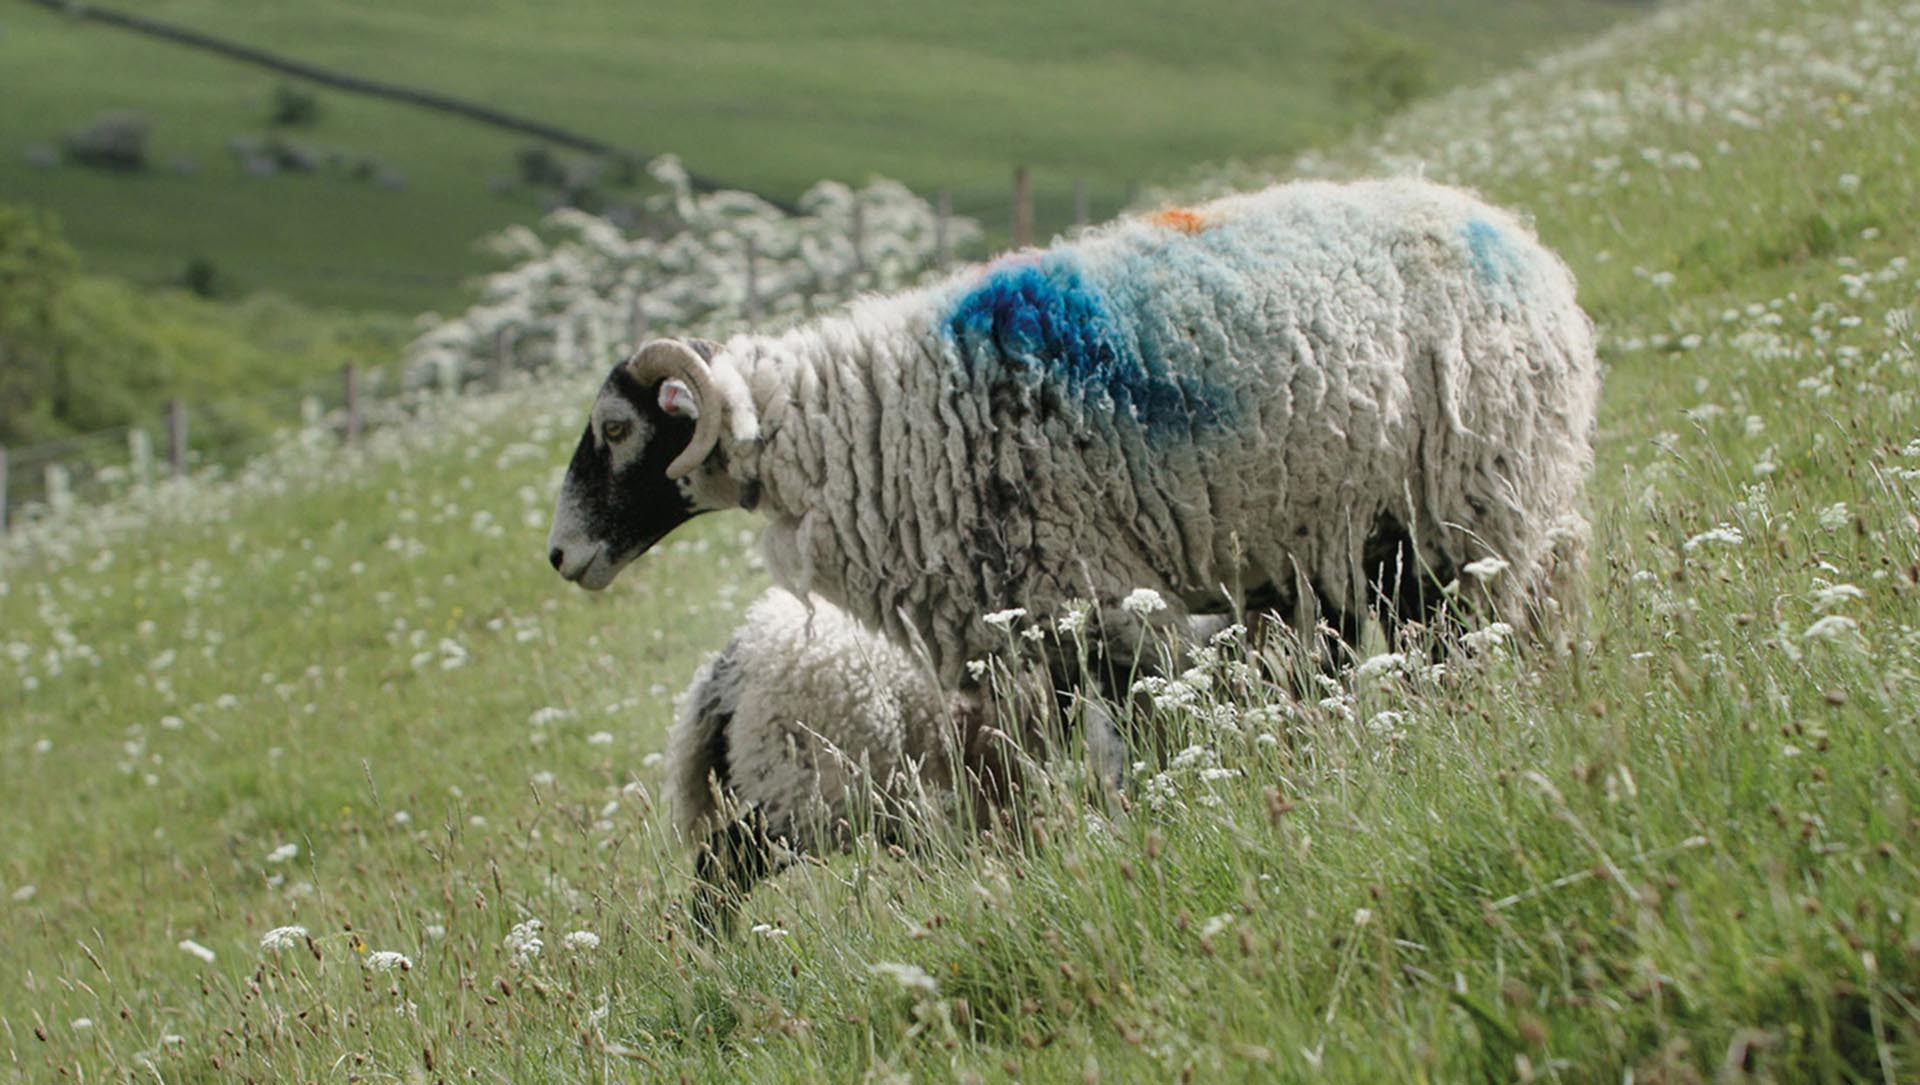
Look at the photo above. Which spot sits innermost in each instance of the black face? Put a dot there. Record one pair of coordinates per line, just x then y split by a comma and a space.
608, 516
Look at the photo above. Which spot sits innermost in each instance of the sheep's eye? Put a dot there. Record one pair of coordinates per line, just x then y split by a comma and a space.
615, 432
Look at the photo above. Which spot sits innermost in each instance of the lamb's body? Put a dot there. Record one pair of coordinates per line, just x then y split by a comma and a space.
1277, 397
806, 720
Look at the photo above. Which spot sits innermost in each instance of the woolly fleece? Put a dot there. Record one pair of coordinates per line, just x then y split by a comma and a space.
1229, 402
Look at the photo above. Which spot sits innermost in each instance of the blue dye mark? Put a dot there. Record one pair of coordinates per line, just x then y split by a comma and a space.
1043, 315
1494, 259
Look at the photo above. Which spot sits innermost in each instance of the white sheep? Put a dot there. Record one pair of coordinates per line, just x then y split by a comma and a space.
1319, 399
808, 727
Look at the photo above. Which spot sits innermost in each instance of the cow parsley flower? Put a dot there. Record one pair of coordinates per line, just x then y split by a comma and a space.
280, 938
386, 960
1143, 601
524, 942
1486, 568
1003, 619
582, 941
283, 853
198, 950
1725, 533
910, 977
1385, 662
1832, 627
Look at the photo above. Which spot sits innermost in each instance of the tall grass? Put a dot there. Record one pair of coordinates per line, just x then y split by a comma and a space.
1682, 852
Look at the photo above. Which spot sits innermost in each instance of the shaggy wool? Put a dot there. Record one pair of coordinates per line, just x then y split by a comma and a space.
1268, 397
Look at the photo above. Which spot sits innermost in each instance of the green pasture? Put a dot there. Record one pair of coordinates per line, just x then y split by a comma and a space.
766, 96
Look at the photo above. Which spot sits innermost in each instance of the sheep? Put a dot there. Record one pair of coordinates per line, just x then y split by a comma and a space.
1318, 400
804, 726
808, 726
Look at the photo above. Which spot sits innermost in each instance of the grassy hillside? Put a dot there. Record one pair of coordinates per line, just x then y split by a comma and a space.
764, 95
344, 692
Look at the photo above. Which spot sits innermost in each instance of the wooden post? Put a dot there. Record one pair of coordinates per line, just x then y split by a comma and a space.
859, 238
140, 455
502, 355
1022, 207
943, 216
177, 437
3, 490
753, 281
1080, 214
351, 379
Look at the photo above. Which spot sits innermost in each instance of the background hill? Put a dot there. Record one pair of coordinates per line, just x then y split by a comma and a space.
766, 96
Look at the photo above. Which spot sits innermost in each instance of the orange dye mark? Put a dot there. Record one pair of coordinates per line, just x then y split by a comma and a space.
1178, 218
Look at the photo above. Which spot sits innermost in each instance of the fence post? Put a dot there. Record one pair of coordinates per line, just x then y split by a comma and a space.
1080, 214
351, 378
3, 490
942, 254
502, 355
140, 455
859, 228
1022, 207
177, 437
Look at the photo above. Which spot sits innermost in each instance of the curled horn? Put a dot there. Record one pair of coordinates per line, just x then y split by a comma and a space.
670, 358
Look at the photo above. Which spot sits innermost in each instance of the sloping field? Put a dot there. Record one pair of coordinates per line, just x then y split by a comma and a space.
765, 96
343, 692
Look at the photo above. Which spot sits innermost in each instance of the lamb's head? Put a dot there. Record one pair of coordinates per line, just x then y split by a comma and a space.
636, 473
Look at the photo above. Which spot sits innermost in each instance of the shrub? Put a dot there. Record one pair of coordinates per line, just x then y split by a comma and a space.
293, 106
1383, 72
114, 141
36, 270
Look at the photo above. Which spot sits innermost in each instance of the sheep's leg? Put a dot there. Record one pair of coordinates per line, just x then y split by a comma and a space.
727, 867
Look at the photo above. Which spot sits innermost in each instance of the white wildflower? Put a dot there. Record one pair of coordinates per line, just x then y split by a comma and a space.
1481, 639
283, 853
910, 977
81, 1024
600, 738
543, 716
524, 942
1386, 661
1725, 533
386, 960
768, 930
1834, 595
1074, 620
198, 950
25, 893
976, 668
582, 941
1835, 516
1003, 619
1832, 627
1486, 568
280, 938
1215, 924
1143, 601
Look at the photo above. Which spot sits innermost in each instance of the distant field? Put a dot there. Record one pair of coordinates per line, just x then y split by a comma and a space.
765, 95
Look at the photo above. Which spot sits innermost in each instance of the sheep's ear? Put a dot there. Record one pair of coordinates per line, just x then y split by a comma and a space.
677, 399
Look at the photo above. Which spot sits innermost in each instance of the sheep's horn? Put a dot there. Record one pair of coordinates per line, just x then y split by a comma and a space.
664, 358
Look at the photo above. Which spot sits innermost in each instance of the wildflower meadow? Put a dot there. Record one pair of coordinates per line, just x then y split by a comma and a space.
314, 770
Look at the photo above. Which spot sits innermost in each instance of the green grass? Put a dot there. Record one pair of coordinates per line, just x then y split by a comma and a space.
1686, 852
767, 96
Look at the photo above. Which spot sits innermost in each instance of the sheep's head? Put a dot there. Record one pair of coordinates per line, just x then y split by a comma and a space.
654, 423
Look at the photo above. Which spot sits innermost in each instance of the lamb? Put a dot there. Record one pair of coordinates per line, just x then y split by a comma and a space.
1320, 400
808, 727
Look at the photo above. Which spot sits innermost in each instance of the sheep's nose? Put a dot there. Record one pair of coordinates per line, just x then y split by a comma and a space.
556, 556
